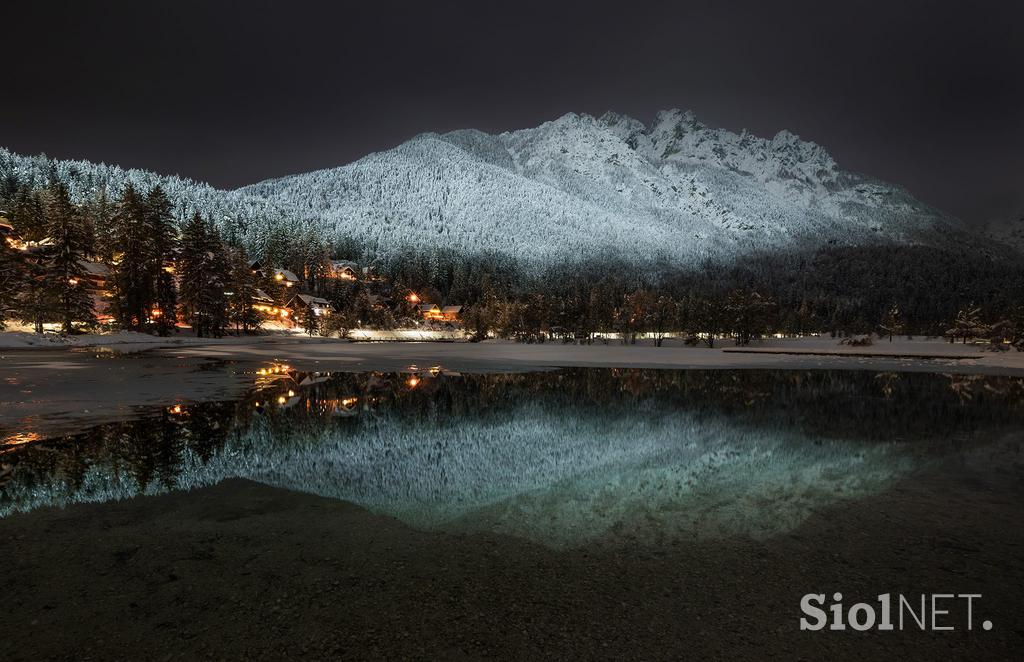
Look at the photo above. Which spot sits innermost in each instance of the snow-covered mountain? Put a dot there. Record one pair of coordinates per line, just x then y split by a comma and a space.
674, 192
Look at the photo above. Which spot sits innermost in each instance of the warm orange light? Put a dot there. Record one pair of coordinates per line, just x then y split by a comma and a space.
281, 400
17, 439
291, 394
278, 276
72, 281
176, 409
348, 402
413, 381
413, 298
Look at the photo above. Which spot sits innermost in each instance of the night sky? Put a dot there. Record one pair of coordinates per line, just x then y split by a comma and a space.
918, 93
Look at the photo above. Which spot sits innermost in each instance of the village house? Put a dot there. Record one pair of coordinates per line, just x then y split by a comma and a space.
285, 277
343, 270
304, 302
435, 313
264, 303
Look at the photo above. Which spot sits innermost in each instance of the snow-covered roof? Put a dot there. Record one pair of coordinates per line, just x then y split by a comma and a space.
311, 300
344, 264
97, 269
451, 310
286, 275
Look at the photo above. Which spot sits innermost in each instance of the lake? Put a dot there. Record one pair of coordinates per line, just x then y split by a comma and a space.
563, 458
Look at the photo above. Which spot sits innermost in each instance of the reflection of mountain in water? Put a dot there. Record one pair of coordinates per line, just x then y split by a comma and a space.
559, 458
560, 478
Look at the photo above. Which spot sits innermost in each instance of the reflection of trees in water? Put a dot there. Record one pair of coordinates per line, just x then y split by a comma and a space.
858, 405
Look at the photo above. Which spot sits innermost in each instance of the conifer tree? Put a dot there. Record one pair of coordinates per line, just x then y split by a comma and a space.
163, 236
242, 286
67, 229
193, 266
310, 321
133, 275
101, 212
893, 322
28, 214
12, 277
36, 305
204, 268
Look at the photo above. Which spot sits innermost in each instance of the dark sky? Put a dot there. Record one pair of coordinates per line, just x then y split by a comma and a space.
923, 94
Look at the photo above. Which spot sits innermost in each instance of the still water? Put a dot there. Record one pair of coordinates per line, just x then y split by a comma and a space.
563, 458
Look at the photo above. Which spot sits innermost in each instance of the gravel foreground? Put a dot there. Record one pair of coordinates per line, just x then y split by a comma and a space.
241, 570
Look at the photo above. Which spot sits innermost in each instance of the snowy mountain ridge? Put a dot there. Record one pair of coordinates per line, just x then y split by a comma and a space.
672, 193
675, 191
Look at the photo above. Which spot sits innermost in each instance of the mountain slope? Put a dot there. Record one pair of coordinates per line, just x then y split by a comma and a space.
581, 186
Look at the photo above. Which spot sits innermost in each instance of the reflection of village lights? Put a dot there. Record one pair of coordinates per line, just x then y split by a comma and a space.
17, 439
413, 381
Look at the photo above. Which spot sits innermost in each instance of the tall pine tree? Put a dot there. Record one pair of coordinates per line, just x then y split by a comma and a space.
243, 286
12, 276
163, 247
204, 268
134, 286
67, 229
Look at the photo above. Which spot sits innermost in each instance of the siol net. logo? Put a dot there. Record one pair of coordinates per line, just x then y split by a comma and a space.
926, 612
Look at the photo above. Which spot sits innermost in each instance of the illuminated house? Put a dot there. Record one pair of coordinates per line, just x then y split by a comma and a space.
343, 270
434, 313
13, 240
285, 277
319, 306
451, 313
264, 303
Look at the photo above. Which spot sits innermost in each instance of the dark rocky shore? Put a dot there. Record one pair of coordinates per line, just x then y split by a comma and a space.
245, 571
